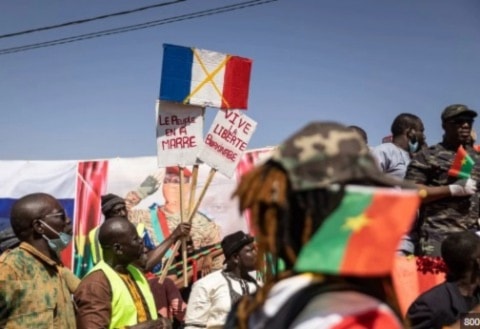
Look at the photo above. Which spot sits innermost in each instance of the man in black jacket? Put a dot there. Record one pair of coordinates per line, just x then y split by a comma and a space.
444, 304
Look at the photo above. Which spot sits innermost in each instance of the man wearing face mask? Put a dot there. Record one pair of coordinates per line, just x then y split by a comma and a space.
449, 204
34, 291
407, 138
459, 294
393, 158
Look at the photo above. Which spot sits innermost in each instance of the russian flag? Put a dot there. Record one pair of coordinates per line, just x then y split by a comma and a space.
78, 186
204, 78
19, 178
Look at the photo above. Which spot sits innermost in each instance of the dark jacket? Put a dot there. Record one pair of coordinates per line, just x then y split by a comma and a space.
440, 306
8, 239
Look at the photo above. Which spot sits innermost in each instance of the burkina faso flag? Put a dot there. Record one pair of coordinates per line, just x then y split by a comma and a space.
462, 164
361, 236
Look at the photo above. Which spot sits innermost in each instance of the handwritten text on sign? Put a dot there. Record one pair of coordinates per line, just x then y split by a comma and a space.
176, 131
227, 140
179, 133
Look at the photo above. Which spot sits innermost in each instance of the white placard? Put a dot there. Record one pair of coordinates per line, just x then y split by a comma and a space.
227, 140
179, 133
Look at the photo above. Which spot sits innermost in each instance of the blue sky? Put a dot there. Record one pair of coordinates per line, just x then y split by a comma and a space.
351, 61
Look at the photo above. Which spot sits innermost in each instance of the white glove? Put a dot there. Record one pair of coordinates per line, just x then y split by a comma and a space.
463, 187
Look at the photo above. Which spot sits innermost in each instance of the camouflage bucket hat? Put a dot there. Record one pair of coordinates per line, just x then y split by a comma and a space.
325, 153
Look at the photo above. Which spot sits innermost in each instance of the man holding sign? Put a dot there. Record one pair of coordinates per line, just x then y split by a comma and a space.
160, 220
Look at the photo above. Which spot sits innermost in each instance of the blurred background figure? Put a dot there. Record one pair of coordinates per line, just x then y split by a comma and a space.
361, 132
212, 296
445, 303
407, 138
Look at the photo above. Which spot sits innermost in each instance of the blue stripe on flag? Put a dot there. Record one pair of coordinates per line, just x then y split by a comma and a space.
4, 223
176, 73
7, 203
68, 205
5, 206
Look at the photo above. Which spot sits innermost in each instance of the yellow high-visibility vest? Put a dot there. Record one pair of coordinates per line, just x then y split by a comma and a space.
124, 312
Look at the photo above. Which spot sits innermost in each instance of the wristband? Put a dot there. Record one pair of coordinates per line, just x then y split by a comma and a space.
422, 193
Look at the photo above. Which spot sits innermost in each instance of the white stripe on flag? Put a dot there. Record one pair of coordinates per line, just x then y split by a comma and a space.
209, 62
18, 178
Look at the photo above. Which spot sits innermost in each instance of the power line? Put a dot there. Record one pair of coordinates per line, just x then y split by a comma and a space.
208, 12
86, 20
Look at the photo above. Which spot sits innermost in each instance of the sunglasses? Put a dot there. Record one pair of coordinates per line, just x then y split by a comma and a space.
60, 214
460, 121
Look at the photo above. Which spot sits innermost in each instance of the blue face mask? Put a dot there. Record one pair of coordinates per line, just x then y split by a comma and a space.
59, 243
412, 147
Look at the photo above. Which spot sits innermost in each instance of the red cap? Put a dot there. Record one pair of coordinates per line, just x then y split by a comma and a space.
175, 170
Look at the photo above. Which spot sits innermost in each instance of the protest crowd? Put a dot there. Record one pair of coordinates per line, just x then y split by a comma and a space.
330, 221
329, 216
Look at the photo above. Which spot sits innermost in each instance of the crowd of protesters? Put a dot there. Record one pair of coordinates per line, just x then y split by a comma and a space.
280, 277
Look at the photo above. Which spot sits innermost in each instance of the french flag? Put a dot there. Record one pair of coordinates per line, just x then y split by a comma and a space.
204, 78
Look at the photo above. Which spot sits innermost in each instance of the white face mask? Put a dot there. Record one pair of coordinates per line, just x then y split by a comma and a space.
412, 147
413, 144
59, 243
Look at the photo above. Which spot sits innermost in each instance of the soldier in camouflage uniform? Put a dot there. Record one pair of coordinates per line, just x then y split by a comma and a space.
449, 204
35, 288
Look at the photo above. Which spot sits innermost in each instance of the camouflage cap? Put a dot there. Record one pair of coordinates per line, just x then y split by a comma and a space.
456, 110
325, 153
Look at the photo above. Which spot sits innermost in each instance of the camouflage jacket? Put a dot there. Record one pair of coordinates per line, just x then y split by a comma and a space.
33, 293
430, 167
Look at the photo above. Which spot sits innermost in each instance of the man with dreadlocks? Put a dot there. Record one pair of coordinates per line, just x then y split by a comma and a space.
309, 209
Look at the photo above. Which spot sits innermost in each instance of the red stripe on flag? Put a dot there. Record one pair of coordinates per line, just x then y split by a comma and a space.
247, 163
91, 184
456, 167
236, 83
388, 215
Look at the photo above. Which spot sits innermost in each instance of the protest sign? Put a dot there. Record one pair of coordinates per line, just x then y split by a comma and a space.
179, 133
227, 140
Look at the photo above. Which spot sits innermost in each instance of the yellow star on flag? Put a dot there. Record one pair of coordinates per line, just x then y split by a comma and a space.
355, 224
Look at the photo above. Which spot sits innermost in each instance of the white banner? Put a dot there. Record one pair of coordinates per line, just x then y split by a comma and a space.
79, 186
